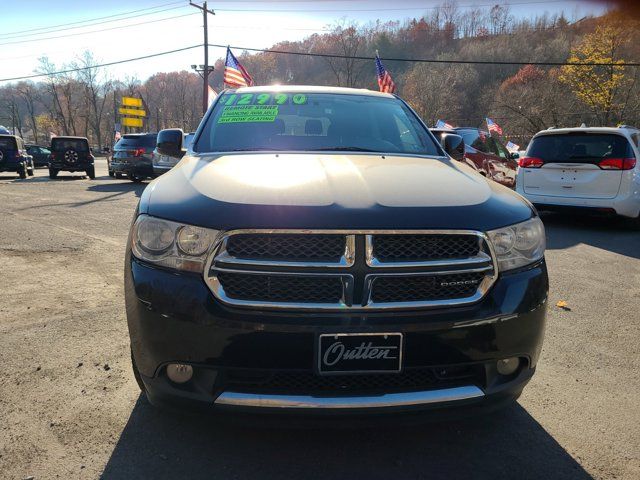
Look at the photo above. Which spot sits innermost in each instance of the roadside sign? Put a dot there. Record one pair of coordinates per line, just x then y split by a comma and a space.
131, 102
131, 122
132, 111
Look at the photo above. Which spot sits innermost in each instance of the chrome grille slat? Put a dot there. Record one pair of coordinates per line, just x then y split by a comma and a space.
426, 271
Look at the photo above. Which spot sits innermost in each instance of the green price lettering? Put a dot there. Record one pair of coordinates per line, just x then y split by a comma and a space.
299, 99
231, 99
245, 99
281, 98
263, 98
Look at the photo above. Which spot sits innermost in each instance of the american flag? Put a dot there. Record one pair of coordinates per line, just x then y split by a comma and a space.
385, 82
493, 126
117, 135
512, 147
443, 124
235, 75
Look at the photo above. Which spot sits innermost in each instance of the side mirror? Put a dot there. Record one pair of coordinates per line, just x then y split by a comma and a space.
514, 155
169, 142
454, 145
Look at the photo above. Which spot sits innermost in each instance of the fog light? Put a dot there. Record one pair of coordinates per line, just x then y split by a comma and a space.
179, 373
507, 366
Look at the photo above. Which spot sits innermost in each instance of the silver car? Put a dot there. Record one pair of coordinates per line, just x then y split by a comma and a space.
164, 163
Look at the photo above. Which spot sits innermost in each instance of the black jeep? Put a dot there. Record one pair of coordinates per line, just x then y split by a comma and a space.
14, 156
71, 154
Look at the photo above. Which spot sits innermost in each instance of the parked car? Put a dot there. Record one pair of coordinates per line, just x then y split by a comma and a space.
587, 168
487, 154
71, 154
40, 155
323, 254
14, 156
132, 156
164, 163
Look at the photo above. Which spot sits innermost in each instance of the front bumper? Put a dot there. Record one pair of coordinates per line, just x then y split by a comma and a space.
174, 318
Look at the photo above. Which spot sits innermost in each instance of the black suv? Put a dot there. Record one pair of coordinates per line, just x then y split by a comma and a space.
318, 251
71, 154
133, 156
14, 156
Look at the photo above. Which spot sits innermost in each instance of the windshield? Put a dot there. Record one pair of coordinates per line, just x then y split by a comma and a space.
137, 141
313, 122
579, 147
77, 144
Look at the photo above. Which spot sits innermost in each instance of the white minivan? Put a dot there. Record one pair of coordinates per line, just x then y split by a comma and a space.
592, 168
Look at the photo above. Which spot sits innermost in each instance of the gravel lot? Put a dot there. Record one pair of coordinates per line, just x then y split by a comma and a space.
70, 408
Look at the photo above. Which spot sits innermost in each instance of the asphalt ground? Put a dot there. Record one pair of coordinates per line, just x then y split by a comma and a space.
70, 408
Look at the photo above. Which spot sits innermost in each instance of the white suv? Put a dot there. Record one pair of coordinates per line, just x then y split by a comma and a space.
592, 168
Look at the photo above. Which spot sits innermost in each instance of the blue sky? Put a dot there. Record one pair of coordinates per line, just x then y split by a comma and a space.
32, 28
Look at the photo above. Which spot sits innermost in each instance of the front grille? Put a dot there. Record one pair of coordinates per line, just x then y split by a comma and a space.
281, 288
421, 288
351, 270
307, 382
420, 247
284, 247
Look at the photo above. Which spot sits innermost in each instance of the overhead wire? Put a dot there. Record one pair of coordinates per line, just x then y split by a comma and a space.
66, 26
428, 60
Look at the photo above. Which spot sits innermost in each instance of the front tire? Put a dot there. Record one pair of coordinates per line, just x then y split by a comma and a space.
111, 174
135, 178
53, 173
22, 172
91, 172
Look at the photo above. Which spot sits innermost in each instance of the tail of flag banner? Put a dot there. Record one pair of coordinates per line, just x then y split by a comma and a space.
117, 135
385, 82
51, 135
493, 126
443, 124
512, 147
235, 75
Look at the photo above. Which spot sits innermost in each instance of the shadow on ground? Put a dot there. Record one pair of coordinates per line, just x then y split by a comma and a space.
508, 444
118, 186
608, 233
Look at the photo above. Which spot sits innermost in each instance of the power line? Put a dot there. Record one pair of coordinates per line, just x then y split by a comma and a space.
11, 34
430, 60
117, 62
332, 10
97, 31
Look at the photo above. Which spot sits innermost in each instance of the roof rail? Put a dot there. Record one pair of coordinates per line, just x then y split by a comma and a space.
628, 126
551, 128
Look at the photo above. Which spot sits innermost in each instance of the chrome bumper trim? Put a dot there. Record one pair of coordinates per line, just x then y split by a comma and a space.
387, 400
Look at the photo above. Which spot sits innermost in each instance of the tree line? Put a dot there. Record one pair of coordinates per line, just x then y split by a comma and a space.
523, 99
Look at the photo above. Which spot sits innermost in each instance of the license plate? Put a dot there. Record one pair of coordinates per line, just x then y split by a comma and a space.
359, 353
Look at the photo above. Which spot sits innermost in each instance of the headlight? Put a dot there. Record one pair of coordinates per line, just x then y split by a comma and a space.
518, 245
171, 244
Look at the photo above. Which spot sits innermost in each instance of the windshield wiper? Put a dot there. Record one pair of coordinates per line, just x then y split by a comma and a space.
343, 149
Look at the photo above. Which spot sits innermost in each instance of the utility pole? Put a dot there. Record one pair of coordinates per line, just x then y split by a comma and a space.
206, 69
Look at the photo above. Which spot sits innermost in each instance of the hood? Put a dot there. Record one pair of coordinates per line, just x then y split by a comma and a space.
354, 191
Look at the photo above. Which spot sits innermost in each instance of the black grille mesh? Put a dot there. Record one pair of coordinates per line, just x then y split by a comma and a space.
418, 288
407, 248
307, 382
329, 248
281, 288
